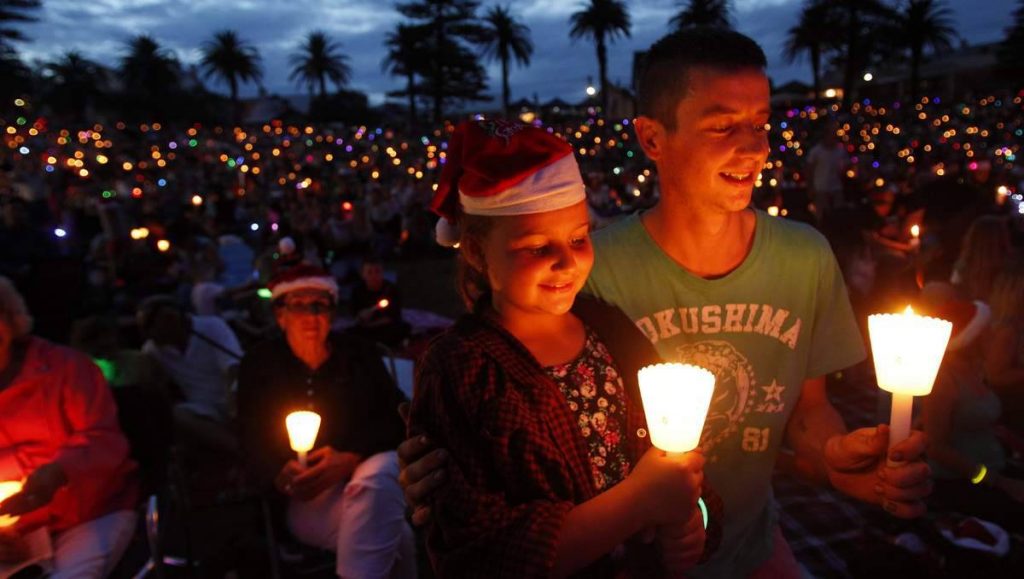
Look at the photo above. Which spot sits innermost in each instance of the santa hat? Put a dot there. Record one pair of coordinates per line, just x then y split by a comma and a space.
497, 168
303, 277
969, 318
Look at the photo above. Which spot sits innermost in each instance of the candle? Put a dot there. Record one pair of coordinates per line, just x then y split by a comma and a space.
915, 231
907, 350
676, 398
7, 490
302, 429
773, 211
383, 303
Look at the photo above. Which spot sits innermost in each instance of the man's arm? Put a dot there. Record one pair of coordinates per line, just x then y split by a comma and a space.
856, 463
813, 422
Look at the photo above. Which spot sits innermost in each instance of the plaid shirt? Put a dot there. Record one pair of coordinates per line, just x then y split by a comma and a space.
519, 460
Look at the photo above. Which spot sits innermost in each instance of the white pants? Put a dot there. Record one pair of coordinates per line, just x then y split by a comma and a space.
362, 521
92, 549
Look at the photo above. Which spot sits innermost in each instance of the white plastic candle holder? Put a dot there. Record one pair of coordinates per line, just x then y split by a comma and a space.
676, 398
907, 349
303, 426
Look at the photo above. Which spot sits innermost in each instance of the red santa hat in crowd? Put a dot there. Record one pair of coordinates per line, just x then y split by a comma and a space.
303, 277
499, 168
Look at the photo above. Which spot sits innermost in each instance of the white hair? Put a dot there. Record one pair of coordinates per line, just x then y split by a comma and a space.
13, 310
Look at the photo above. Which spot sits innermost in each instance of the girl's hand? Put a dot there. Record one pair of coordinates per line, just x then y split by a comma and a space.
682, 546
666, 488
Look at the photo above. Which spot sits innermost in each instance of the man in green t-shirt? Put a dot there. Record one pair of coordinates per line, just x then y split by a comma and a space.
758, 300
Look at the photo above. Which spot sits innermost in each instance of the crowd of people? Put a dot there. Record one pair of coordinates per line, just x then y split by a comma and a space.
236, 275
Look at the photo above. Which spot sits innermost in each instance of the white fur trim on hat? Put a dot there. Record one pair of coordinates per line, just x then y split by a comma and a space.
321, 283
554, 187
974, 328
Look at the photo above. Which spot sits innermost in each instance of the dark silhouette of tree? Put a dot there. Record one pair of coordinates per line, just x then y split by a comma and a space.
319, 60
16, 11
923, 24
74, 82
232, 60
1012, 47
702, 13
812, 35
507, 39
452, 72
601, 21
865, 30
405, 59
150, 74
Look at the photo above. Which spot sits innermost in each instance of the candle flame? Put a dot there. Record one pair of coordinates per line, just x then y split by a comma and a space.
909, 311
915, 230
383, 303
7, 490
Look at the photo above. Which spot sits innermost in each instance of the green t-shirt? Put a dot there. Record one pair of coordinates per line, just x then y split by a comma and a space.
781, 317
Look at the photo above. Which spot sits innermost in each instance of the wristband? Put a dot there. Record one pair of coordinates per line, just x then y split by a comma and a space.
980, 474
703, 511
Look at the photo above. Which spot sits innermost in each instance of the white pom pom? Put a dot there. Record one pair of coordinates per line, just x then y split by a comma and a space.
446, 234
286, 245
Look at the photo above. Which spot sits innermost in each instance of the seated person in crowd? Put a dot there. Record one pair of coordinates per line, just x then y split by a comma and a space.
347, 499
968, 461
1004, 353
201, 354
59, 436
377, 306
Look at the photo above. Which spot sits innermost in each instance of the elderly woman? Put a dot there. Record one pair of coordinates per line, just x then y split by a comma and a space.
59, 435
347, 498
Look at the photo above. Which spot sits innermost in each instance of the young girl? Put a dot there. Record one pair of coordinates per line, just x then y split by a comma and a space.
1004, 352
534, 393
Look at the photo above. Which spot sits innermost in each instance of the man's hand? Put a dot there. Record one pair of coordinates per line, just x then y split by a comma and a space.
325, 468
682, 545
422, 471
38, 491
857, 466
13, 547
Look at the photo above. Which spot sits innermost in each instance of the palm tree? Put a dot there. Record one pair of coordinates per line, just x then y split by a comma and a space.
75, 79
1013, 45
15, 11
866, 25
813, 35
925, 23
405, 58
317, 61
507, 39
232, 60
601, 20
149, 72
702, 13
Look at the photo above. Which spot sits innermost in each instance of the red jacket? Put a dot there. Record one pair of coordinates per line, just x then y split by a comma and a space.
59, 408
519, 462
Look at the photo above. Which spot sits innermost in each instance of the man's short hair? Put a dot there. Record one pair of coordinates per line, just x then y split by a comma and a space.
665, 75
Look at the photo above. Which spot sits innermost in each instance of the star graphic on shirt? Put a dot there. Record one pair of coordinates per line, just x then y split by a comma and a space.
773, 392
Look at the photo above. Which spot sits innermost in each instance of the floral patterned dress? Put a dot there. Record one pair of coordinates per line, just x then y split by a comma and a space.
596, 395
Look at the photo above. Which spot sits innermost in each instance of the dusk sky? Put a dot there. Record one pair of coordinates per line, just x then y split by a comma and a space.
559, 68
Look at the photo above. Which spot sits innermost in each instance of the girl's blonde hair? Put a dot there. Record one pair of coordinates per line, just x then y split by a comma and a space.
472, 283
984, 252
1007, 297
13, 310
